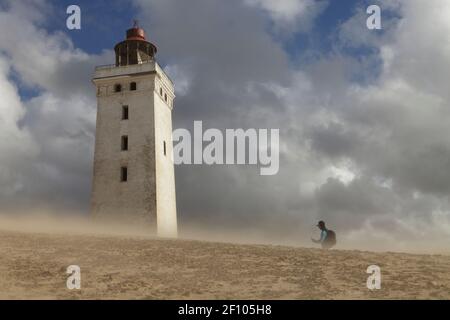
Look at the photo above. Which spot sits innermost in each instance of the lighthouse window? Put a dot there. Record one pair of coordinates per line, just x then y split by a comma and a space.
133, 86
117, 88
165, 149
160, 92
124, 174
124, 143
165, 97
124, 112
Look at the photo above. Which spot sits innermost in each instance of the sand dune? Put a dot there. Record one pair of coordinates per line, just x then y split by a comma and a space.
33, 266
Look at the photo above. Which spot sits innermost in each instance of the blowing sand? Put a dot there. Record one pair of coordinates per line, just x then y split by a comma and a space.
33, 266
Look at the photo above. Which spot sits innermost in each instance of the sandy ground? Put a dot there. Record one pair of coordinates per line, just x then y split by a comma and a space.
33, 266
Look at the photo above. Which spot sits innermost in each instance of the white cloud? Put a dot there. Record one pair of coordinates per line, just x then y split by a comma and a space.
17, 147
180, 76
46, 143
291, 15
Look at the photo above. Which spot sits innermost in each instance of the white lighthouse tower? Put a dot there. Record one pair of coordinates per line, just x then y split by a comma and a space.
134, 179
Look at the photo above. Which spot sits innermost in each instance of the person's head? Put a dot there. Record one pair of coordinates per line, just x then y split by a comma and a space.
321, 225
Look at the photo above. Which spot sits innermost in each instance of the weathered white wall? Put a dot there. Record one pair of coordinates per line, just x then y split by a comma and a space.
165, 176
149, 194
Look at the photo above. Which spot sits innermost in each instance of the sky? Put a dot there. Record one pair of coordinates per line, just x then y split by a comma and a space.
364, 115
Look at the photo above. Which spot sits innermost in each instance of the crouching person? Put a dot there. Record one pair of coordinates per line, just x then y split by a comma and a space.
327, 237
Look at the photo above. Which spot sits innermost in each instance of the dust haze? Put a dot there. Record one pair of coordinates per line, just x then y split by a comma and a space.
74, 223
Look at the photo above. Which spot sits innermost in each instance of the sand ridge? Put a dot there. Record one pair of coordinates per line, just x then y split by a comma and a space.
33, 266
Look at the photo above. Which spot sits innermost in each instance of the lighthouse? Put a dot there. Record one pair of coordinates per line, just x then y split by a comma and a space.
133, 173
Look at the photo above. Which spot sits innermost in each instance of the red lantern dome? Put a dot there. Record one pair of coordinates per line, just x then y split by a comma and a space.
135, 49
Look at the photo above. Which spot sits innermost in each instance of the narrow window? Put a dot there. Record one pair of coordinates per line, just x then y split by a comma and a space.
124, 143
165, 149
133, 86
160, 92
165, 97
124, 112
124, 174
